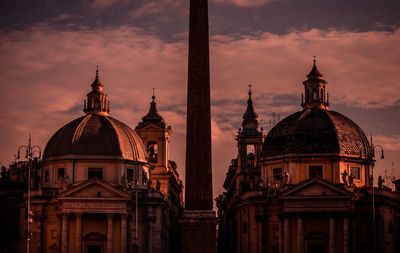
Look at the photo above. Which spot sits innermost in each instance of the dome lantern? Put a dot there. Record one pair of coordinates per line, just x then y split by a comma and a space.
97, 102
315, 96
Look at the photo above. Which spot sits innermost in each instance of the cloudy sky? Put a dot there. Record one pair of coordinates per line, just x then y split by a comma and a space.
50, 48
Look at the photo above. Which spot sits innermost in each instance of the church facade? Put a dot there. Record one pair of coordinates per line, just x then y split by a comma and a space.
307, 186
104, 187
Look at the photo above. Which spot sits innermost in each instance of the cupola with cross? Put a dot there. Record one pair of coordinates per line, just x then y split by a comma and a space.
97, 102
315, 96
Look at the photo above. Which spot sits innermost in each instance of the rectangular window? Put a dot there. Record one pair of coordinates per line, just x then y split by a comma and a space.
356, 171
95, 172
129, 175
277, 173
315, 171
46, 176
152, 151
60, 173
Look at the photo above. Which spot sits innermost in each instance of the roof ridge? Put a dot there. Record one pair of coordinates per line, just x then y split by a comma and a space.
79, 129
114, 127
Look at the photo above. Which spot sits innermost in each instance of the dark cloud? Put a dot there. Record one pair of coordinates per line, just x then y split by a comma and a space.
168, 18
376, 121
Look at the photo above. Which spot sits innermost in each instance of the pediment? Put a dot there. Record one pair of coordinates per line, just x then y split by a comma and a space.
94, 189
316, 188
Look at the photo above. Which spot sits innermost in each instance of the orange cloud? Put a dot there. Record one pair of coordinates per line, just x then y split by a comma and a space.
103, 3
244, 3
389, 142
46, 74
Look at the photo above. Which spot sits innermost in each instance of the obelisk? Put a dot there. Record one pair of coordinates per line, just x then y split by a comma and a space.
198, 220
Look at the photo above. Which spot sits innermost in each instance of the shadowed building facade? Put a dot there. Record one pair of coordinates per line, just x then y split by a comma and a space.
104, 187
309, 189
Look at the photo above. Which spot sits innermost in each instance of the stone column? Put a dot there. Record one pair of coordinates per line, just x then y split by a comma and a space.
280, 235
149, 218
300, 235
123, 233
64, 236
286, 236
78, 233
110, 233
331, 235
346, 235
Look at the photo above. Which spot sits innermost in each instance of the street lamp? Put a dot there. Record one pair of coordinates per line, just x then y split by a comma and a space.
29, 153
373, 147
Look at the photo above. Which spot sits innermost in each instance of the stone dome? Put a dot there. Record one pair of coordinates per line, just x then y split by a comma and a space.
315, 131
96, 135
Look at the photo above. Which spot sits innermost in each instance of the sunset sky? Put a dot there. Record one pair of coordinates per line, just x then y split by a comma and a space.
50, 48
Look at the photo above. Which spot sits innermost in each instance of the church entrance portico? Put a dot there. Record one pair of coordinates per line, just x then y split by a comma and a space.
313, 226
98, 213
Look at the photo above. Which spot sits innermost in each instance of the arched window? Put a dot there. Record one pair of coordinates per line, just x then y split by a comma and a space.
250, 156
152, 151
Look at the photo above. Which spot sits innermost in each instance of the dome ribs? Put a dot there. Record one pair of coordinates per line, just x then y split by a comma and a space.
315, 131
96, 135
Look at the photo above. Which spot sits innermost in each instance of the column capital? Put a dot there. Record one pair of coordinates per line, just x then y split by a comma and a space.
110, 215
78, 215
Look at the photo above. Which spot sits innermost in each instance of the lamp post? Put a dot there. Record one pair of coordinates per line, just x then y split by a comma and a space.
373, 147
29, 153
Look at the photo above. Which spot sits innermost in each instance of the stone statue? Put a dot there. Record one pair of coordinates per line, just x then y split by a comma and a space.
380, 182
351, 179
124, 182
287, 178
5, 175
261, 185
158, 185
64, 181
344, 177
371, 181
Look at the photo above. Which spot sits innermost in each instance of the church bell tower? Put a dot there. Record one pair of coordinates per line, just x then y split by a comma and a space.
249, 143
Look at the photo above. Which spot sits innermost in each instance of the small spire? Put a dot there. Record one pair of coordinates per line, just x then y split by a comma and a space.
314, 73
250, 116
96, 83
250, 92
152, 117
